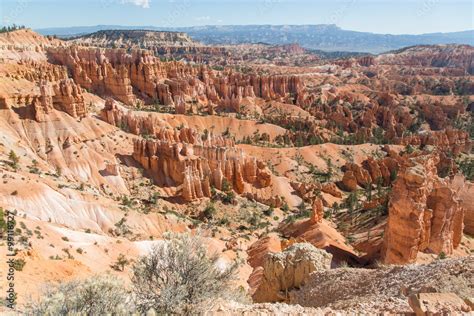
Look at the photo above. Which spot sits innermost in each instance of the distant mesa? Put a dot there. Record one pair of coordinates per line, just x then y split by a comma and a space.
326, 37
134, 38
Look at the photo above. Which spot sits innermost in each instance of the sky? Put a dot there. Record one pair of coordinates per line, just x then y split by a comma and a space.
382, 16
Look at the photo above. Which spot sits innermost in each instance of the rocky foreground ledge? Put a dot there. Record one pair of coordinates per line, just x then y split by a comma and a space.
443, 287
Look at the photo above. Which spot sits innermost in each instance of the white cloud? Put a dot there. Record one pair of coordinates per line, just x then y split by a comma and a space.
141, 3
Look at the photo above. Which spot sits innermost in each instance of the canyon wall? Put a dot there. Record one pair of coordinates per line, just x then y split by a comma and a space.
196, 167
129, 76
189, 160
44, 96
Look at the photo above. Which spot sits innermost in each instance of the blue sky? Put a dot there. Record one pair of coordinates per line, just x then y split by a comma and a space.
383, 16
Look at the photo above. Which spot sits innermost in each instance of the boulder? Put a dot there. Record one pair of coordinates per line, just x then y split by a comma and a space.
349, 182
259, 249
331, 188
425, 304
288, 270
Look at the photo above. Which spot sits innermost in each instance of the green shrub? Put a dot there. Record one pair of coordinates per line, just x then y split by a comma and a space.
269, 211
19, 264
466, 166
209, 211
226, 186
126, 201
97, 295
285, 207
3, 223
303, 211
229, 197
14, 159
178, 277
121, 262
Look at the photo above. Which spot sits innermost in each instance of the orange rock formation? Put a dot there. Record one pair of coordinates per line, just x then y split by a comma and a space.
425, 214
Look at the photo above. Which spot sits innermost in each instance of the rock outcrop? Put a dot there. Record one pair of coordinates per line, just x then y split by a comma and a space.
189, 160
288, 270
387, 113
195, 168
68, 98
64, 96
349, 182
317, 211
371, 172
331, 188
134, 38
25, 44
117, 73
261, 248
37, 88
257, 253
453, 140
466, 198
424, 304
458, 57
424, 213
387, 290
43, 104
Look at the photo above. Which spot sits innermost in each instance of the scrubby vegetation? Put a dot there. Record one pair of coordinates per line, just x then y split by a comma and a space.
466, 166
14, 159
97, 295
11, 28
178, 277
3, 223
120, 263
